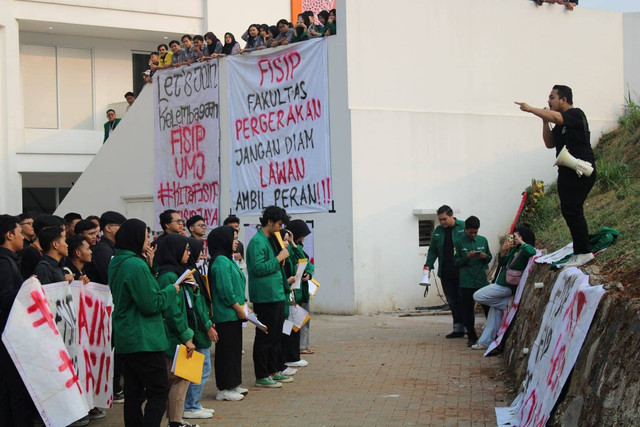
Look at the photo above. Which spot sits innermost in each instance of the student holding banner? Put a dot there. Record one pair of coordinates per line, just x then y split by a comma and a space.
138, 327
228, 291
267, 281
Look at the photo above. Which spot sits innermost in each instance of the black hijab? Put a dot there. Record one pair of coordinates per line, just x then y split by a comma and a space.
298, 228
131, 236
228, 47
220, 242
196, 246
170, 253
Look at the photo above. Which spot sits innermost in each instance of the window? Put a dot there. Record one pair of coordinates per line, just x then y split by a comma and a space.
39, 200
140, 61
425, 229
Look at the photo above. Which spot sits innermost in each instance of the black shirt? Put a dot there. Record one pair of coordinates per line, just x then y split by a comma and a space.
9, 284
30, 258
49, 270
101, 254
574, 134
74, 270
449, 268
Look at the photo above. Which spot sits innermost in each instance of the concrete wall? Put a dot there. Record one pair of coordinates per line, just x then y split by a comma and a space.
632, 54
433, 119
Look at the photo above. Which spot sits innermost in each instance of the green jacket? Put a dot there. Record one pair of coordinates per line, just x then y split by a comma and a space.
175, 316
473, 271
524, 252
302, 294
200, 321
227, 288
436, 247
138, 305
267, 279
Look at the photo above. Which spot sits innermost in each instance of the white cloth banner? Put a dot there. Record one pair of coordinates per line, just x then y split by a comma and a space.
564, 326
279, 129
508, 316
187, 141
36, 348
83, 316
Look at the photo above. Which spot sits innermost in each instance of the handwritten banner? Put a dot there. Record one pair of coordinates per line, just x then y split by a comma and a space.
508, 316
279, 129
41, 357
83, 316
565, 324
187, 141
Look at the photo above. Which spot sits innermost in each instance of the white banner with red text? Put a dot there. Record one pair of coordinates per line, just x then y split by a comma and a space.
279, 129
187, 141
565, 324
60, 343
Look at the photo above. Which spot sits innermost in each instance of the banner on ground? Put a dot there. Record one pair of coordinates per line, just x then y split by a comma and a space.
62, 389
565, 324
187, 141
507, 316
279, 130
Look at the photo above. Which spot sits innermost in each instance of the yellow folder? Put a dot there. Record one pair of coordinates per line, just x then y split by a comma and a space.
189, 369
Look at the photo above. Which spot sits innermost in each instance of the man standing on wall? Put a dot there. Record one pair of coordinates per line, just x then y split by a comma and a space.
571, 130
441, 248
110, 125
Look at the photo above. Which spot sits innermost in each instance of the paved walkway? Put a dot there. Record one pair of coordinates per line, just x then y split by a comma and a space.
368, 370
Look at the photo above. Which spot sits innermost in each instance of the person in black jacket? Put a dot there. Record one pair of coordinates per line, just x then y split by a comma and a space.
16, 407
54, 249
32, 254
105, 249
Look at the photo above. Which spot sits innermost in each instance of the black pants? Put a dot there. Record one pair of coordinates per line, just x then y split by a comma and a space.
16, 407
451, 288
291, 347
573, 191
228, 358
117, 373
266, 347
468, 314
145, 374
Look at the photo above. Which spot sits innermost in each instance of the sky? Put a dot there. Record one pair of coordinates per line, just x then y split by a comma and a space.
614, 5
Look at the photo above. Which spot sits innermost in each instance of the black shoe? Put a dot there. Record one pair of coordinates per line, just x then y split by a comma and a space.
455, 335
471, 342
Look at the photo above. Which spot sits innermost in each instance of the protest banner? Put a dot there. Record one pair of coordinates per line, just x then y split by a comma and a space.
83, 316
187, 141
35, 345
279, 129
508, 316
565, 324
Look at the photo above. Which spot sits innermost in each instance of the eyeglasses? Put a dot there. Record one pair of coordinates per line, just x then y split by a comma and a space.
27, 223
177, 221
201, 225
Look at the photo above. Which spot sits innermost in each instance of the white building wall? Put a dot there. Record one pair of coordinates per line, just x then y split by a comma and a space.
632, 55
433, 119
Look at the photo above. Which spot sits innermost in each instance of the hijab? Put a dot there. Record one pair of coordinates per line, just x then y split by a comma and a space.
298, 228
220, 242
131, 235
214, 41
196, 246
169, 255
228, 47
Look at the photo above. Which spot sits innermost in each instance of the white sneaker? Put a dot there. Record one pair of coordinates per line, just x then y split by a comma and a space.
211, 411
229, 395
578, 260
478, 346
241, 390
299, 364
289, 371
199, 415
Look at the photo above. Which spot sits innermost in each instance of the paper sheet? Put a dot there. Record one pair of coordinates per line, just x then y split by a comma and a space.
302, 265
313, 287
287, 326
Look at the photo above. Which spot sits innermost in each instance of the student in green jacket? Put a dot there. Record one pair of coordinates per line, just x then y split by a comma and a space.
204, 333
472, 256
138, 328
267, 281
228, 295
514, 255
291, 343
172, 257
441, 248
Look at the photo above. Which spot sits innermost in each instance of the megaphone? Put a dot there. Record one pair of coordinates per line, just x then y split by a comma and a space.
425, 280
582, 167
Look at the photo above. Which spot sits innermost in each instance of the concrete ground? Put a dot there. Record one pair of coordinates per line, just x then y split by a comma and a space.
369, 370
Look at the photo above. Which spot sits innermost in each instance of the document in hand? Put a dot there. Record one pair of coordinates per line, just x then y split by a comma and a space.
302, 264
313, 287
251, 317
184, 275
299, 316
189, 369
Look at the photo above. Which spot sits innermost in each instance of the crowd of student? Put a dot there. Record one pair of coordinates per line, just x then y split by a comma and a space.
258, 36
569, 4
154, 311
463, 268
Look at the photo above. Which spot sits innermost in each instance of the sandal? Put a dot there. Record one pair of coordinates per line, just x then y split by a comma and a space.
307, 351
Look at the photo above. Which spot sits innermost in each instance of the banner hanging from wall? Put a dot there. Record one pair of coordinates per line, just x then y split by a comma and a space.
279, 130
59, 337
187, 141
565, 324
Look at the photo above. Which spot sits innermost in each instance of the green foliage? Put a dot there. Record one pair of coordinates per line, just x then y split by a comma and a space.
613, 175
